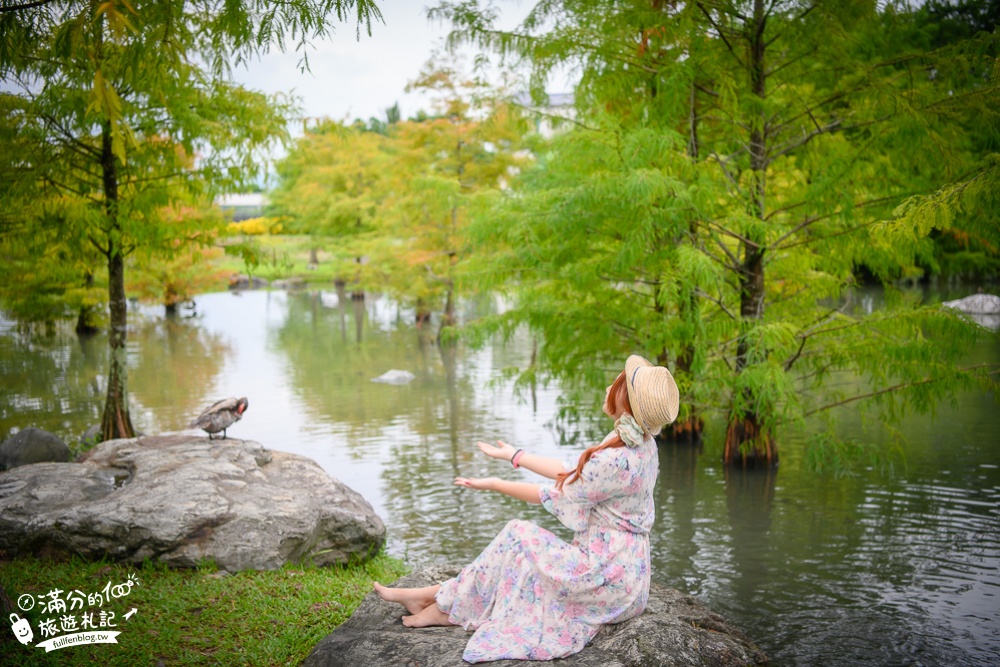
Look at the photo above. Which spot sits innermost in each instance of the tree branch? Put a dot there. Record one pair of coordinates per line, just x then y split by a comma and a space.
798, 143
718, 302
816, 218
729, 253
727, 232
722, 34
797, 18
705, 90
722, 164
897, 387
101, 249
26, 5
806, 334
69, 139
783, 209
729, 267
59, 186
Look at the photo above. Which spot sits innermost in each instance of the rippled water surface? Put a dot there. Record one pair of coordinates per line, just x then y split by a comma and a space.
872, 568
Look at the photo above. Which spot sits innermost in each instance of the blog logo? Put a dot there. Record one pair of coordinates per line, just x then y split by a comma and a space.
73, 618
22, 629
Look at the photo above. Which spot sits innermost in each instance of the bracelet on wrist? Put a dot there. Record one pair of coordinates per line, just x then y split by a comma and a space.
516, 458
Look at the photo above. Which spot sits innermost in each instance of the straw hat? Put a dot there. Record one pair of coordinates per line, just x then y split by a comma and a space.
652, 393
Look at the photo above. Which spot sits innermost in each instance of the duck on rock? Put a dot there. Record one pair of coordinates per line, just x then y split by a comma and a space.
220, 416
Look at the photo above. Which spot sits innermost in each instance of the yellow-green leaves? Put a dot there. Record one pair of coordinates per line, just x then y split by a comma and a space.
107, 106
118, 22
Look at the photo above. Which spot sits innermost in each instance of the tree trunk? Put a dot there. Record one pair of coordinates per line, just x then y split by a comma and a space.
85, 318
423, 314
689, 429
748, 441
171, 300
115, 423
357, 294
448, 316
341, 287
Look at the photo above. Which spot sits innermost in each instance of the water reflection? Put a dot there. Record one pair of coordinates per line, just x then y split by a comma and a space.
819, 570
172, 363
50, 380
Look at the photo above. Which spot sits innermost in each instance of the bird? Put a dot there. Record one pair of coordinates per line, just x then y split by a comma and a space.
220, 416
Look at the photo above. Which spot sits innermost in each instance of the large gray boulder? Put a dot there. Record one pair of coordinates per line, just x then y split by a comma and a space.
981, 308
32, 445
675, 631
987, 304
180, 499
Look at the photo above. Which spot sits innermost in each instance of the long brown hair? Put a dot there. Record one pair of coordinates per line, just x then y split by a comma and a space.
618, 402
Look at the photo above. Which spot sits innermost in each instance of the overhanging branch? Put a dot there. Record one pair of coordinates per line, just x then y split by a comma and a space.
26, 5
901, 385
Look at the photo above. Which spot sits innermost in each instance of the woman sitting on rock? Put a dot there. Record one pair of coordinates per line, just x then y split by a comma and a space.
530, 595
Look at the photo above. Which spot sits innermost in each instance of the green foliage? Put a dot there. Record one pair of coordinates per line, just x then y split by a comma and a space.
174, 273
962, 216
589, 242
442, 167
45, 276
115, 113
734, 166
390, 202
330, 189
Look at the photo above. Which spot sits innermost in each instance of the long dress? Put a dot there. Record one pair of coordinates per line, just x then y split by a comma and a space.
530, 595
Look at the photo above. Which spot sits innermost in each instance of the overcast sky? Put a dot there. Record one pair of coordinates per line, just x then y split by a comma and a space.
353, 78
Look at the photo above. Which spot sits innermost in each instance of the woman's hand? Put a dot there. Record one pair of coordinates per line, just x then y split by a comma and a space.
501, 450
479, 483
520, 490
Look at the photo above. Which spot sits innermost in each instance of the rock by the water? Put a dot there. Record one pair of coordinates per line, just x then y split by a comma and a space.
242, 282
32, 445
981, 308
395, 377
976, 304
180, 499
91, 436
292, 283
675, 631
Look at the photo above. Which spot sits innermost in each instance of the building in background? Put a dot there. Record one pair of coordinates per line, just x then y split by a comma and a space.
548, 117
243, 206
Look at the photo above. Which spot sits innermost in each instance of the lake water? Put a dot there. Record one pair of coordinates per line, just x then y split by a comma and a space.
872, 568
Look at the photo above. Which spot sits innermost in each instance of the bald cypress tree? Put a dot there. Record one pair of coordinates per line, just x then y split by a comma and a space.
111, 105
734, 165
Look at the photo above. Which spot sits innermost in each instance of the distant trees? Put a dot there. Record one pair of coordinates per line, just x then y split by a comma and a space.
112, 110
401, 193
329, 189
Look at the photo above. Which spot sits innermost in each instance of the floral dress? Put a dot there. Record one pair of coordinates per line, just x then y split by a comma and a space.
530, 595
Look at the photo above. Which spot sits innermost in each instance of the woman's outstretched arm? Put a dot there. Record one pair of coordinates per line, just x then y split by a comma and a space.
520, 490
541, 465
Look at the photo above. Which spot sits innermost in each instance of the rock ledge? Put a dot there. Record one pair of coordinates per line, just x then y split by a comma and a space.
675, 631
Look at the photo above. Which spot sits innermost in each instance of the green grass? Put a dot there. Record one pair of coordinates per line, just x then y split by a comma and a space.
284, 256
200, 616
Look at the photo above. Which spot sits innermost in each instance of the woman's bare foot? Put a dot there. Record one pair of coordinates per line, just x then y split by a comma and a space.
415, 600
429, 617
